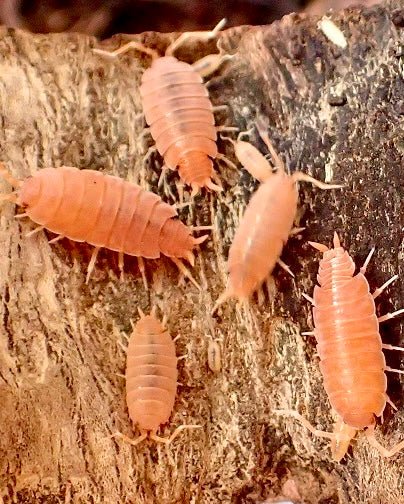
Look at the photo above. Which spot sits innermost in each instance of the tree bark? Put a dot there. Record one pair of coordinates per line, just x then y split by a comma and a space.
333, 113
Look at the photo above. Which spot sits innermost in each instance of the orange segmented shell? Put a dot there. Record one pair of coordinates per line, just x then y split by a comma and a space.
151, 374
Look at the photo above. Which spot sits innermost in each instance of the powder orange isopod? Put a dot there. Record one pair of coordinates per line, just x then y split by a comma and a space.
350, 349
104, 211
266, 223
151, 379
179, 112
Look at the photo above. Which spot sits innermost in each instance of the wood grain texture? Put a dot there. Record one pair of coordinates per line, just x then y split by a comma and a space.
336, 114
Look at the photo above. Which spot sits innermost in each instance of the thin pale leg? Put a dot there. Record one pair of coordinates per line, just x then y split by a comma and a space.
210, 63
391, 347
56, 239
378, 291
310, 299
197, 35
384, 452
222, 157
34, 231
278, 163
20, 216
91, 264
121, 265
305, 423
303, 177
184, 270
162, 177
127, 47
296, 231
170, 439
201, 228
389, 316
367, 261
285, 267
392, 370
133, 442
142, 269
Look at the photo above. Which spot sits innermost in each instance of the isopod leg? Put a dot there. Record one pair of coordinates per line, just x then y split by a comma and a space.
389, 316
184, 270
210, 63
367, 261
197, 35
121, 265
310, 299
170, 439
142, 269
378, 291
305, 423
370, 434
285, 267
133, 442
303, 177
34, 231
56, 239
296, 231
391, 347
222, 157
127, 47
92, 263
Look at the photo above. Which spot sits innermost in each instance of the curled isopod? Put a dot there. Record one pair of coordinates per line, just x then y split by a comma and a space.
104, 211
350, 349
179, 112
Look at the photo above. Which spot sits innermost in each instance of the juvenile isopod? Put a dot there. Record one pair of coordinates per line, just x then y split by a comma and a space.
350, 349
267, 221
151, 379
104, 211
178, 110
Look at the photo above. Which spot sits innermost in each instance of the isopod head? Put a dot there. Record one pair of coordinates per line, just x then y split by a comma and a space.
29, 192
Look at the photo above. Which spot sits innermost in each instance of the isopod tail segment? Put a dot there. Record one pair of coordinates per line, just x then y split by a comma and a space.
257, 165
344, 433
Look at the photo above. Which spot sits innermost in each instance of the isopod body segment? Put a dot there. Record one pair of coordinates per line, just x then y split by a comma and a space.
350, 348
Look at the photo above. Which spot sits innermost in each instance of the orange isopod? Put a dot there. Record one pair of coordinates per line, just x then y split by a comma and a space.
104, 211
151, 379
179, 112
350, 348
267, 221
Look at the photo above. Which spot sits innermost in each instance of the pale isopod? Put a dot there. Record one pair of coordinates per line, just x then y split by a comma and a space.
151, 379
267, 221
104, 211
179, 112
350, 349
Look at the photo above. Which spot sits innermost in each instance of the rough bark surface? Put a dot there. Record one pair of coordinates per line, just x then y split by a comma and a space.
335, 113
